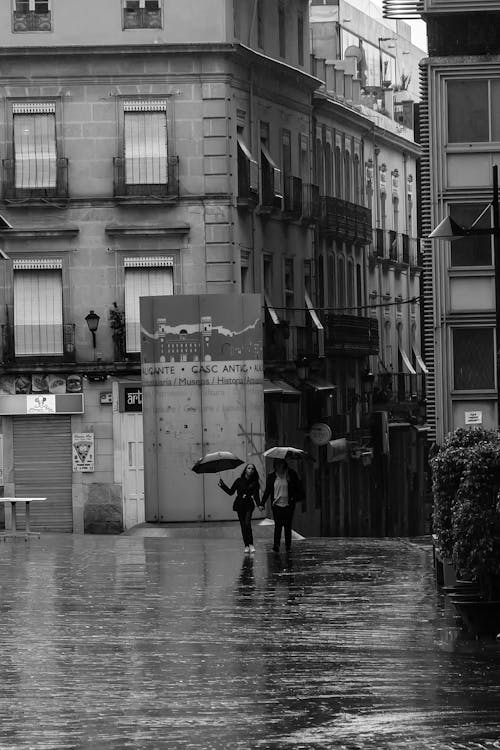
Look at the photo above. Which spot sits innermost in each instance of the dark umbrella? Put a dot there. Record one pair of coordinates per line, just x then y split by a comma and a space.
215, 462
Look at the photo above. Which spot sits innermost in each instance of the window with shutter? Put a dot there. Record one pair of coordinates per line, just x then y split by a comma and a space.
148, 277
38, 316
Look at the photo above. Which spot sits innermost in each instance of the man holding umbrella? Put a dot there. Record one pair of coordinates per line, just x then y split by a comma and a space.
284, 488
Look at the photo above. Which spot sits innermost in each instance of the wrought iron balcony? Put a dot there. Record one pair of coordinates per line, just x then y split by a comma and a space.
45, 181
31, 20
142, 18
345, 219
9, 356
168, 189
400, 392
351, 334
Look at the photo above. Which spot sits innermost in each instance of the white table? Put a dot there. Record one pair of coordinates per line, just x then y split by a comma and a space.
13, 500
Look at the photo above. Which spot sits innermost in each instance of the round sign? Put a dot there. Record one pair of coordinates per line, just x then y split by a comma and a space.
320, 433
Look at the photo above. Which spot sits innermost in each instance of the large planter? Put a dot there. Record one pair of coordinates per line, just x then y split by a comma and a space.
479, 617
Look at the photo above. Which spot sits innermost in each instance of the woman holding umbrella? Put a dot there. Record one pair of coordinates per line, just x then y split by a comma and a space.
285, 489
247, 491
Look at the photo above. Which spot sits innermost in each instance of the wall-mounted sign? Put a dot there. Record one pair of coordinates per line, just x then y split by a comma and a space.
337, 450
43, 403
473, 417
106, 397
320, 433
83, 451
132, 398
37, 404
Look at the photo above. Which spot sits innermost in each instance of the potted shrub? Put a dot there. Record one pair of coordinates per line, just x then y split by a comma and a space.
448, 466
466, 482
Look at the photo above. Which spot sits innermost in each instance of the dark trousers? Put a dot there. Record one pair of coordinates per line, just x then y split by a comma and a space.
282, 520
245, 519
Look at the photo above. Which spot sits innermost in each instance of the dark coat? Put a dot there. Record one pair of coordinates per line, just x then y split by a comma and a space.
296, 491
247, 494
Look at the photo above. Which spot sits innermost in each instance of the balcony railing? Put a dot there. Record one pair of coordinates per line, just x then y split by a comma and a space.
167, 189
345, 219
394, 247
351, 334
31, 21
390, 389
54, 186
142, 18
292, 196
68, 353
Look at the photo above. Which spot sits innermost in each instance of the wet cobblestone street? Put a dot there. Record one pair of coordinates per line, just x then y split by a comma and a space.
130, 642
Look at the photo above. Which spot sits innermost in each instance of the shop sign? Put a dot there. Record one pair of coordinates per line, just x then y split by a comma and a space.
132, 400
473, 417
320, 433
83, 451
38, 404
337, 450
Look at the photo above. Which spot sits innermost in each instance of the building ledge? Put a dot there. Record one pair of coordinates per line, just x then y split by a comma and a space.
135, 230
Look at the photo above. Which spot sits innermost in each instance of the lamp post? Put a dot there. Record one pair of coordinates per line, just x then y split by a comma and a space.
449, 229
93, 322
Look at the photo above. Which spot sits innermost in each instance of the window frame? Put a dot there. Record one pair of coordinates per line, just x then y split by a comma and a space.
491, 388
9, 186
35, 17
142, 12
151, 262
122, 187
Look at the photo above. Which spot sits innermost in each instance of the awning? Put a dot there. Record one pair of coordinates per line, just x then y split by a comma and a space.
271, 389
287, 390
318, 324
406, 361
272, 312
420, 361
320, 385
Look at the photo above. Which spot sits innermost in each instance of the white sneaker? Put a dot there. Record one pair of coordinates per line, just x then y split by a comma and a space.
247, 549
252, 548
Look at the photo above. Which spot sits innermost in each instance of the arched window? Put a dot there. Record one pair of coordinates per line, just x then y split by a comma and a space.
341, 285
328, 170
319, 166
351, 299
331, 281
338, 172
347, 176
357, 181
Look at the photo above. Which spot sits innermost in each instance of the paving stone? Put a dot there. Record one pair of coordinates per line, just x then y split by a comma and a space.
115, 642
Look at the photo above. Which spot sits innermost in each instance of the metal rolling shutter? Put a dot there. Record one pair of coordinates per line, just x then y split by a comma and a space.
43, 466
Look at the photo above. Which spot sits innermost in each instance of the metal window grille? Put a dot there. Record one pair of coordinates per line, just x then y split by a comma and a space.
150, 277
38, 318
146, 151
35, 151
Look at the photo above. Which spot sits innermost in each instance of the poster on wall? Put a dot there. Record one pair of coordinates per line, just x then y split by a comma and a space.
202, 383
83, 451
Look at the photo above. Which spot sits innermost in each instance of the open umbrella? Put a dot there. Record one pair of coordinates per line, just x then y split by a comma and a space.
215, 462
285, 452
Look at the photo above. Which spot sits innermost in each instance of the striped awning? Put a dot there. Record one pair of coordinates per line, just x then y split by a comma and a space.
36, 264
406, 361
148, 262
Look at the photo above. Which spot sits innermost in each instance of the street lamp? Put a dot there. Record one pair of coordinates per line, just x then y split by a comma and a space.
93, 322
449, 229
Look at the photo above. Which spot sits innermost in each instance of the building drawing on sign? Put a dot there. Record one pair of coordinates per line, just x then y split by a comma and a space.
217, 343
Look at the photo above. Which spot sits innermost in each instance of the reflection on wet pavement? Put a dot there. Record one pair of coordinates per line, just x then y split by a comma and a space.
126, 642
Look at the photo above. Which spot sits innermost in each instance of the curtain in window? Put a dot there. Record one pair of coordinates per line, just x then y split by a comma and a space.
142, 282
38, 318
146, 148
35, 150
